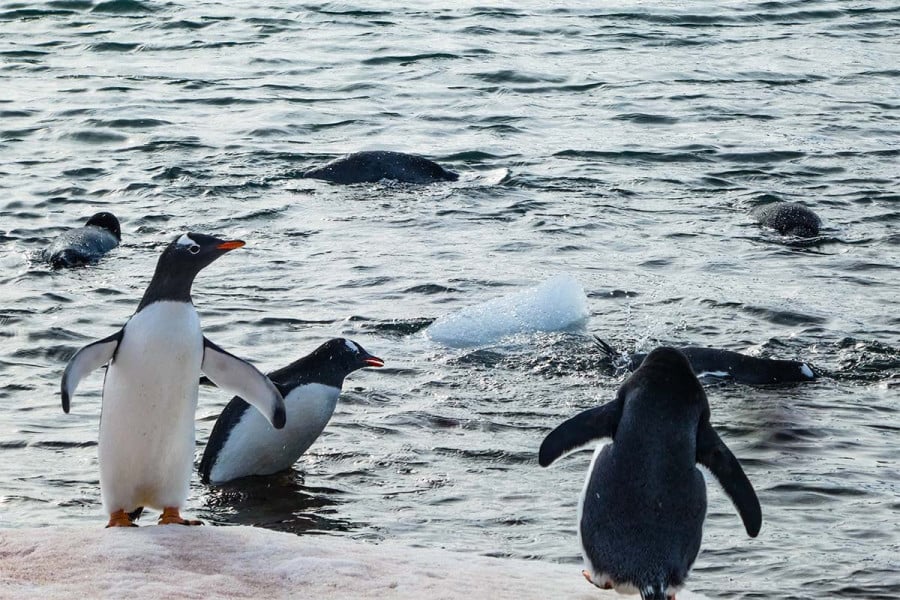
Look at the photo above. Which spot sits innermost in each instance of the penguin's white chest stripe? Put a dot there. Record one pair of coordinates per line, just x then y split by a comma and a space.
254, 447
162, 347
149, 402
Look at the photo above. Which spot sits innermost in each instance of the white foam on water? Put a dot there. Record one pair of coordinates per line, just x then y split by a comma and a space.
557, 304
168, 561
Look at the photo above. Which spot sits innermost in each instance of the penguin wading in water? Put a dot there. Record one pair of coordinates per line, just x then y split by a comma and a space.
643, 504
150, 391
242, 443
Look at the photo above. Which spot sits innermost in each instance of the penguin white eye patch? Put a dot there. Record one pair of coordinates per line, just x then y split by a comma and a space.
185, 240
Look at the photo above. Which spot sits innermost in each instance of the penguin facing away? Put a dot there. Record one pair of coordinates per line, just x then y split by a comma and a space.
642, 508
150, 390
242, 443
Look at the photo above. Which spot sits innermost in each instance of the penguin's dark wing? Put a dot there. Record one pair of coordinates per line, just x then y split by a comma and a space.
232, 414
243, 379
715, 456
93, 356
585, 427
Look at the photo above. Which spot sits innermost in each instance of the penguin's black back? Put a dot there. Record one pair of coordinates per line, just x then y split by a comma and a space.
373, 166
645, 500
743, 368
789, 218
85, 244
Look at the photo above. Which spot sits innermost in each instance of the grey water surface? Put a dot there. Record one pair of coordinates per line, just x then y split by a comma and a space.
624, 143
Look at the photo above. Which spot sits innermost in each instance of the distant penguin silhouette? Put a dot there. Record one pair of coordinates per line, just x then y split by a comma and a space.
373, 166
643, 505
243, 443
85, 244
789, 218
149, 400
725, 364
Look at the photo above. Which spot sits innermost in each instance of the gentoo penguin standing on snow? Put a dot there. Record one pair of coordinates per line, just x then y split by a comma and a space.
150, 391
643, 505
242, 443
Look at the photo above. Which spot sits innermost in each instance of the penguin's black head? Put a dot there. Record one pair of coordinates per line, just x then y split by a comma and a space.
668, 373
348, 355
180, 262
107, 221
191, 252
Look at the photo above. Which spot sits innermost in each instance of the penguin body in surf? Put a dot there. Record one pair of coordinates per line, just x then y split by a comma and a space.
377, 165
82, 245
725, 364
147, 436
789, 218
242, 443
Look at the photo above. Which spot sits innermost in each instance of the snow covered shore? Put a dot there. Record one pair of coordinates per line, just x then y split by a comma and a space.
245, 562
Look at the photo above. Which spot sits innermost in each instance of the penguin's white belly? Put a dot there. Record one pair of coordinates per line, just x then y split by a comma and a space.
254, 447
149, 403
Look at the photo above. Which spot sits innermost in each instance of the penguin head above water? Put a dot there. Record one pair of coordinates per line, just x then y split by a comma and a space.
107, 221
349, 355
179, 264
328, 364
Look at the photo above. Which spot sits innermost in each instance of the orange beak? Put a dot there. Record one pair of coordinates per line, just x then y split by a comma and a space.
374, 361
230, 245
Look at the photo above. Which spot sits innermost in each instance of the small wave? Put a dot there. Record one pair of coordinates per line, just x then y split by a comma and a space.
409, 59
90, 136
114, 47
646, 119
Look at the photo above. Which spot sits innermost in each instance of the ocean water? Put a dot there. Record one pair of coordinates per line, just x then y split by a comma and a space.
624, 144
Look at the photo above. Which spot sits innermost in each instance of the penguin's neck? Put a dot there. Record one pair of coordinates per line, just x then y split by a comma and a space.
175, 287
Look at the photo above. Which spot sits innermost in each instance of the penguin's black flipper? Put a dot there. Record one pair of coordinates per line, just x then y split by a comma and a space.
605, 348
715, 455
91, 357
243, 379
583, 428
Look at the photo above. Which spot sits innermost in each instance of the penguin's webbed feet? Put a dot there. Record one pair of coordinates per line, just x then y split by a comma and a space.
606, 585
170, 516
120, 518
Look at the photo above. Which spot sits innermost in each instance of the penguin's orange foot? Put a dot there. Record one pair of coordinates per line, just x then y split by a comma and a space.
170, 516
120, 518
606, 585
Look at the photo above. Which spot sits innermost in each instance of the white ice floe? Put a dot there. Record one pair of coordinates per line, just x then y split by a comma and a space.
151, 562
557, 304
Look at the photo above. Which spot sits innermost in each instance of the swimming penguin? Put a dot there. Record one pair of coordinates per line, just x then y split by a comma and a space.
373, 166
150, 391
643, 505
85, 244
789, 218
725, 364
242, 443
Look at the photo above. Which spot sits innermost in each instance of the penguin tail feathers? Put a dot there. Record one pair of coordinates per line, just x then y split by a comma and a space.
654, 592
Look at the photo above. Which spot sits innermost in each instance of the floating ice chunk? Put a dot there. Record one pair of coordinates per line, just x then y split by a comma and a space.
557, 304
